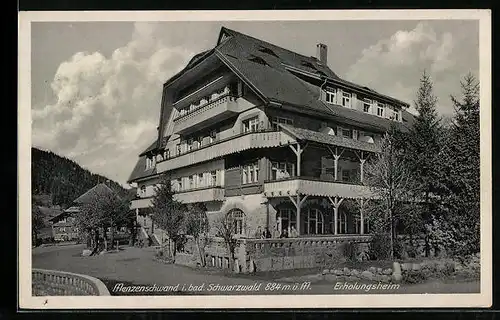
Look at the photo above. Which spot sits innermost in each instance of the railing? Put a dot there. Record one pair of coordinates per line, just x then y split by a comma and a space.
319, 240
214, 110
201, 195
245, 141
314, 187
60, 283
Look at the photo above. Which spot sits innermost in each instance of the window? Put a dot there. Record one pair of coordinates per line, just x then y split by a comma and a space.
213, 178
191, 182
287, 218
213, 136
251, 124
62, 229
190, 144
250, 173
143, 190
367, 104
179, 184
282, 170
346, 175
331, 96
357, 225
166, 154
178, 148
236, 218
347, 133
277, 120
346, 99
201, 183
342, 223
396, 115
313, 221
380, 109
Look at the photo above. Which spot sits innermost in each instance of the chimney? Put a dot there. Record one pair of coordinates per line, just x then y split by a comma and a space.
322, 53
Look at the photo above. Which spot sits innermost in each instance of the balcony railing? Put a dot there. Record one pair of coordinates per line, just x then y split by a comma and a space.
214, 111
315, 187
245, 141
213, 193
201, 195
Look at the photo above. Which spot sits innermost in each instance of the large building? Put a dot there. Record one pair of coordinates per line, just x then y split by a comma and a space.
274, 138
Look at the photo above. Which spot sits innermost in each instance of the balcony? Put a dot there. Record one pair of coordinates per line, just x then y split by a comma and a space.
314, 187
214, 111
201, 195
245, 141
214, 193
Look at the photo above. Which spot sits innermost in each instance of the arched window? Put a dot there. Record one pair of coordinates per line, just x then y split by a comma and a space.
357, 225
313, 221
288, 218
342, 223
236, 218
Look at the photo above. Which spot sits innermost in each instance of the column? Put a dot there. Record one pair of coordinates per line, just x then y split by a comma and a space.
361, 210
336, 202
362, 161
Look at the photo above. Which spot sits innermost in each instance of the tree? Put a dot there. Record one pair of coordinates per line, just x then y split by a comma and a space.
101, 212
37, 222
462, 172
390, 180
226, 230
198, 227
168, 213
423, 153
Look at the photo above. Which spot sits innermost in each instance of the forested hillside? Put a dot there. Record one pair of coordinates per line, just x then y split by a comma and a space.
63, 179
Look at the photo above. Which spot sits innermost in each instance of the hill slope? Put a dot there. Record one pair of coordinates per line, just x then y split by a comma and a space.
63, 180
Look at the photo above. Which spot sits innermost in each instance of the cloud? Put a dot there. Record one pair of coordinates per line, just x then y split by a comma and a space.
107, 108
393, 66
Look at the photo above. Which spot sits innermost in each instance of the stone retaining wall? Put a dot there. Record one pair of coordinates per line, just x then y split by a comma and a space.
280, 254
60, 283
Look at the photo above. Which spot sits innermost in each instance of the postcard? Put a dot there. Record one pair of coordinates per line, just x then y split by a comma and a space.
255, 159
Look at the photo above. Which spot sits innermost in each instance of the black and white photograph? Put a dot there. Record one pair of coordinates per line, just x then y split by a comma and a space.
235, 159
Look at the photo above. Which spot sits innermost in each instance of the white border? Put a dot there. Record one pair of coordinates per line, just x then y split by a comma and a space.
26, 300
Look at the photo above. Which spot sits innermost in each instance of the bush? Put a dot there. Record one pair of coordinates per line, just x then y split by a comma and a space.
349, 251
380, 247
412, 276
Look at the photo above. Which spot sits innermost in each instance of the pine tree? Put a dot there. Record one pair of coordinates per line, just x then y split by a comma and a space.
168, 213
423, 153
462, 172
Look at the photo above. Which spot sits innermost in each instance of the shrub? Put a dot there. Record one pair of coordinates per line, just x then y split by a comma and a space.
412, 276
349, 251
380, 247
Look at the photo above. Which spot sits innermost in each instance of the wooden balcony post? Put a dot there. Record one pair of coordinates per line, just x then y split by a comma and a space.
361, 169
298, 204
361, 215
298, 151
336, 202
336, 157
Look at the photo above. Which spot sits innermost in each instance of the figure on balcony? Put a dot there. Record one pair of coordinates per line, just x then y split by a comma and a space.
284, 234
267, 234
293, 232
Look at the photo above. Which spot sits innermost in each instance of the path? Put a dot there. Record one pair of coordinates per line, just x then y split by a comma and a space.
135, 266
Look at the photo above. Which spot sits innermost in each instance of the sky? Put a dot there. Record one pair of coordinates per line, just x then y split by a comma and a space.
96, 86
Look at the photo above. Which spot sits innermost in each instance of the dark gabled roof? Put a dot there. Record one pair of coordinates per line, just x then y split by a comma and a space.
271, 77
97, 191
140, 170
324, 138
